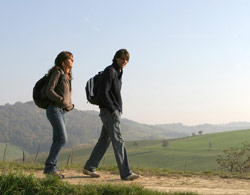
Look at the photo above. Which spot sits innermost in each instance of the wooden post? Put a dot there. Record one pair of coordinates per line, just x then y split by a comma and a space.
68, 160
23, 157
5, 152
72, 156
185, 166
37, 153
103, 161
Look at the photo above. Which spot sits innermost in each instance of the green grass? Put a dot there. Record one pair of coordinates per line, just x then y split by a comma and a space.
183, 156
186, 154
12, 152
10, 166
20, 184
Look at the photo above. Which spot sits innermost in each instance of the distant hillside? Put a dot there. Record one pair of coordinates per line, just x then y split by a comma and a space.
26, 126
205, 128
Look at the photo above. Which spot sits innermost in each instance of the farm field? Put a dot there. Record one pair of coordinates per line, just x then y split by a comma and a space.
197, 153
11, 152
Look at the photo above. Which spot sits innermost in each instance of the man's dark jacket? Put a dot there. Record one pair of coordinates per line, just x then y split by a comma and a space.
110, 88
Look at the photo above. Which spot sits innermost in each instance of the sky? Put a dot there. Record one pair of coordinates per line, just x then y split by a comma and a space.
190, 60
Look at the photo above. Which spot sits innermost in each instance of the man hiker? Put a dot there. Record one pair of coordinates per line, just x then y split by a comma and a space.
109, 95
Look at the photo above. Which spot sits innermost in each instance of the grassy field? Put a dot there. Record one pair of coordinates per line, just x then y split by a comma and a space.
187, 154
12, 152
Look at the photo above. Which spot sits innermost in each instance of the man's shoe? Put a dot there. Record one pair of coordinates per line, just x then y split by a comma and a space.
56, 174
131, 177
91, 173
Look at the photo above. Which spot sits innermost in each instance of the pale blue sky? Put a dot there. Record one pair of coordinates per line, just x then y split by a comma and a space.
189, 63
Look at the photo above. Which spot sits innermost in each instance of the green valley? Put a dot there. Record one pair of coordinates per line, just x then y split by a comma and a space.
197, 153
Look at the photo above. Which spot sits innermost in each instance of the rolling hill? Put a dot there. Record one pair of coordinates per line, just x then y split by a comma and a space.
25, 125
192, 153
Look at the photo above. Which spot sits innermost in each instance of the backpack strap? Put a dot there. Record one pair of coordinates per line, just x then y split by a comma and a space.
60, 78
62, 72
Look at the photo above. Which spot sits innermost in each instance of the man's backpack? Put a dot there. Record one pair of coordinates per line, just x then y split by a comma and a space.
39, 91
92, 87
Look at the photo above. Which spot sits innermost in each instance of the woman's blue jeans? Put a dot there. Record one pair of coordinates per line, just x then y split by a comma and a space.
56, 117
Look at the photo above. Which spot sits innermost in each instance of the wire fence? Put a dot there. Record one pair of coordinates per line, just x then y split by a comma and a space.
70, 155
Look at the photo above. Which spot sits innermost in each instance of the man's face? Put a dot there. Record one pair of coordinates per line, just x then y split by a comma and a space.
122, 61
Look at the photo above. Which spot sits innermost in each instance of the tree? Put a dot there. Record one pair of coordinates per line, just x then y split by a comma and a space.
236, 159
165, 143
200, 132
210, 146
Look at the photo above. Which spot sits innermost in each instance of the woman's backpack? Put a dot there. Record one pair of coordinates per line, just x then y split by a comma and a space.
39, 96
39, 91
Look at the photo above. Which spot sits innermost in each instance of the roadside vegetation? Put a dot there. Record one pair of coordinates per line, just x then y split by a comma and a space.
236, 159
18, 183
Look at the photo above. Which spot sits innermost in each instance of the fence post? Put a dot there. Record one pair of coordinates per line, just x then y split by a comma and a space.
72, 156
103, 161
37, 153
68, 160
23, 157
185, 166
4, 152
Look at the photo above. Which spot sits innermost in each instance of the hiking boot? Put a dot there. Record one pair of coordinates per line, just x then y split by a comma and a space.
132, 177
56, 174
91, 173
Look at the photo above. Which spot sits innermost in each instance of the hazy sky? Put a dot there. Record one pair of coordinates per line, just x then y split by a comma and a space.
190, 59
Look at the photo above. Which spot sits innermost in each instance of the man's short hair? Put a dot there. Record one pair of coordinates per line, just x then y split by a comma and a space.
119, 53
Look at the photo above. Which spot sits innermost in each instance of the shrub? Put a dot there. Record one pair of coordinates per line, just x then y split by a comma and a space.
236, 159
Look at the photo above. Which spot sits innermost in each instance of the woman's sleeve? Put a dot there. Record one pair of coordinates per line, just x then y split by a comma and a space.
50, 90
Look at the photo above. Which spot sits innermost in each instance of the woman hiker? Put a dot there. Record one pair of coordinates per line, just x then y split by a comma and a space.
59, 91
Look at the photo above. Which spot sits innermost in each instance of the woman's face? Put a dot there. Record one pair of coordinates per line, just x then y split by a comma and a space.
68, 63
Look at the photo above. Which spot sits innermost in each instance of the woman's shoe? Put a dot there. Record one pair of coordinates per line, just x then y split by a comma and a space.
56, 174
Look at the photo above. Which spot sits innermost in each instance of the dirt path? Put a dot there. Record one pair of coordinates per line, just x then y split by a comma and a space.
208, 185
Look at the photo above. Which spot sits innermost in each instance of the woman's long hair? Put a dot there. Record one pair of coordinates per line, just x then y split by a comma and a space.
61, 57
